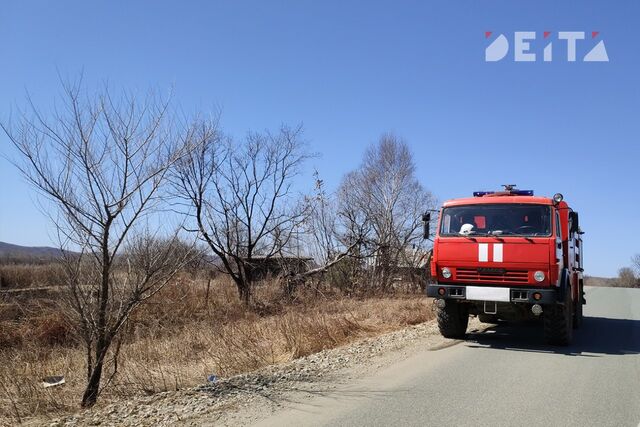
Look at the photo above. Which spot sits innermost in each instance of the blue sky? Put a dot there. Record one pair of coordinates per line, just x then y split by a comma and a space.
350, 71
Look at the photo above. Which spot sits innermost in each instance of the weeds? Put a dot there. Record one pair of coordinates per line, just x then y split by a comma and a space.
181, 337
29, 275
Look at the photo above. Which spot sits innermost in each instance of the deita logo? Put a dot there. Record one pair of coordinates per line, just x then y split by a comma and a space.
523, 51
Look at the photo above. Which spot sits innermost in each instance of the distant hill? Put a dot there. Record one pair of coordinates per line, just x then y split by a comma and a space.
17, 253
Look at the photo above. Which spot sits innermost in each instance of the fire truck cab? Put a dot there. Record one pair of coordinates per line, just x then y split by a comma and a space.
507, 255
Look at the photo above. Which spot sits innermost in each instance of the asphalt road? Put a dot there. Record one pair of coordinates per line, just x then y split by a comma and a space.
505, 376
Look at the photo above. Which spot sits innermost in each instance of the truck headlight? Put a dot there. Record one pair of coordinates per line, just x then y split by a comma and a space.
538, 276
446, 273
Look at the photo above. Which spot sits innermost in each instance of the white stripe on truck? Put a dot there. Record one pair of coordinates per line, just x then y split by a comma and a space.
483, 252
497, 252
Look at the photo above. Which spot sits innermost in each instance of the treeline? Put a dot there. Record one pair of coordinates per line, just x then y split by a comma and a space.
628, 277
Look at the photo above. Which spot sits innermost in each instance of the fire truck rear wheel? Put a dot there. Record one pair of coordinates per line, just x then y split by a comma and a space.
577, 312
453, 320
558, 322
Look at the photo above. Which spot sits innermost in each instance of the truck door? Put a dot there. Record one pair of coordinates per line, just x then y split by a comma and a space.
559, 254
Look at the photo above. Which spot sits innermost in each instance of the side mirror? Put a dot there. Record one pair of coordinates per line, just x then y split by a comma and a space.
575, 226
426, 218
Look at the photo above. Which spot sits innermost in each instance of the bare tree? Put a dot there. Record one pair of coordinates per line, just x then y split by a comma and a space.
239, 195
385, 192
101, 162
626, 278
325, 239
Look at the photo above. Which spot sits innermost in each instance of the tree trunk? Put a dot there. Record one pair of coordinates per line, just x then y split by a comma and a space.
243, 291
243, 284
93, 385
102, 343
246, 295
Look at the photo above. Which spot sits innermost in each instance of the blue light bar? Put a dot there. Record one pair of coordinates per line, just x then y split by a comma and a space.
504, 193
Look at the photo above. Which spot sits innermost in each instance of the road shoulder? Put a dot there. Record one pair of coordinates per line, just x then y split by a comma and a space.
263, 394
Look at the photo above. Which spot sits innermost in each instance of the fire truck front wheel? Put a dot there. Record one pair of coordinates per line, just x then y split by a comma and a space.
453, 319
558, 322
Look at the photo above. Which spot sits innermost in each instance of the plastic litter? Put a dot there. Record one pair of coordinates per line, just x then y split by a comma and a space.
53, 381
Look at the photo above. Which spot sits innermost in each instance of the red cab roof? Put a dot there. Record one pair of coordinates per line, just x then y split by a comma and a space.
485, 200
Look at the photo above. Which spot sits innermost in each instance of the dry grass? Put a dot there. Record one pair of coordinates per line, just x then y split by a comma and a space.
180, 338
29, 275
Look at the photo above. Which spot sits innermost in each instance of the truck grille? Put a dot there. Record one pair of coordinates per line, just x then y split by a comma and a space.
492, 275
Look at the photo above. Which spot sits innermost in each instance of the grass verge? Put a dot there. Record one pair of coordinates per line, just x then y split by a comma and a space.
185, 334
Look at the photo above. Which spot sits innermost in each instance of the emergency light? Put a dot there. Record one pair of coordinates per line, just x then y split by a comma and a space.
522, 192
510, 193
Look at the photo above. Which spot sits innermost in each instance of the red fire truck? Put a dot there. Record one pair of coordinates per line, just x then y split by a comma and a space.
507, 255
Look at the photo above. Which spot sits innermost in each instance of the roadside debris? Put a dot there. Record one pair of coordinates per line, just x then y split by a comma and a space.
53, 381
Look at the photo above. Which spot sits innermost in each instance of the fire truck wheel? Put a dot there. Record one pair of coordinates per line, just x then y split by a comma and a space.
453, 320
558, 322
577, 312
488, 318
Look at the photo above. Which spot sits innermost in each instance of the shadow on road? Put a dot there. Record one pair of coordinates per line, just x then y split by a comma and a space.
597, 336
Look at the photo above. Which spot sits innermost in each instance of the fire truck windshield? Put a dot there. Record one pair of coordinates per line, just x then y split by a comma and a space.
496, 219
